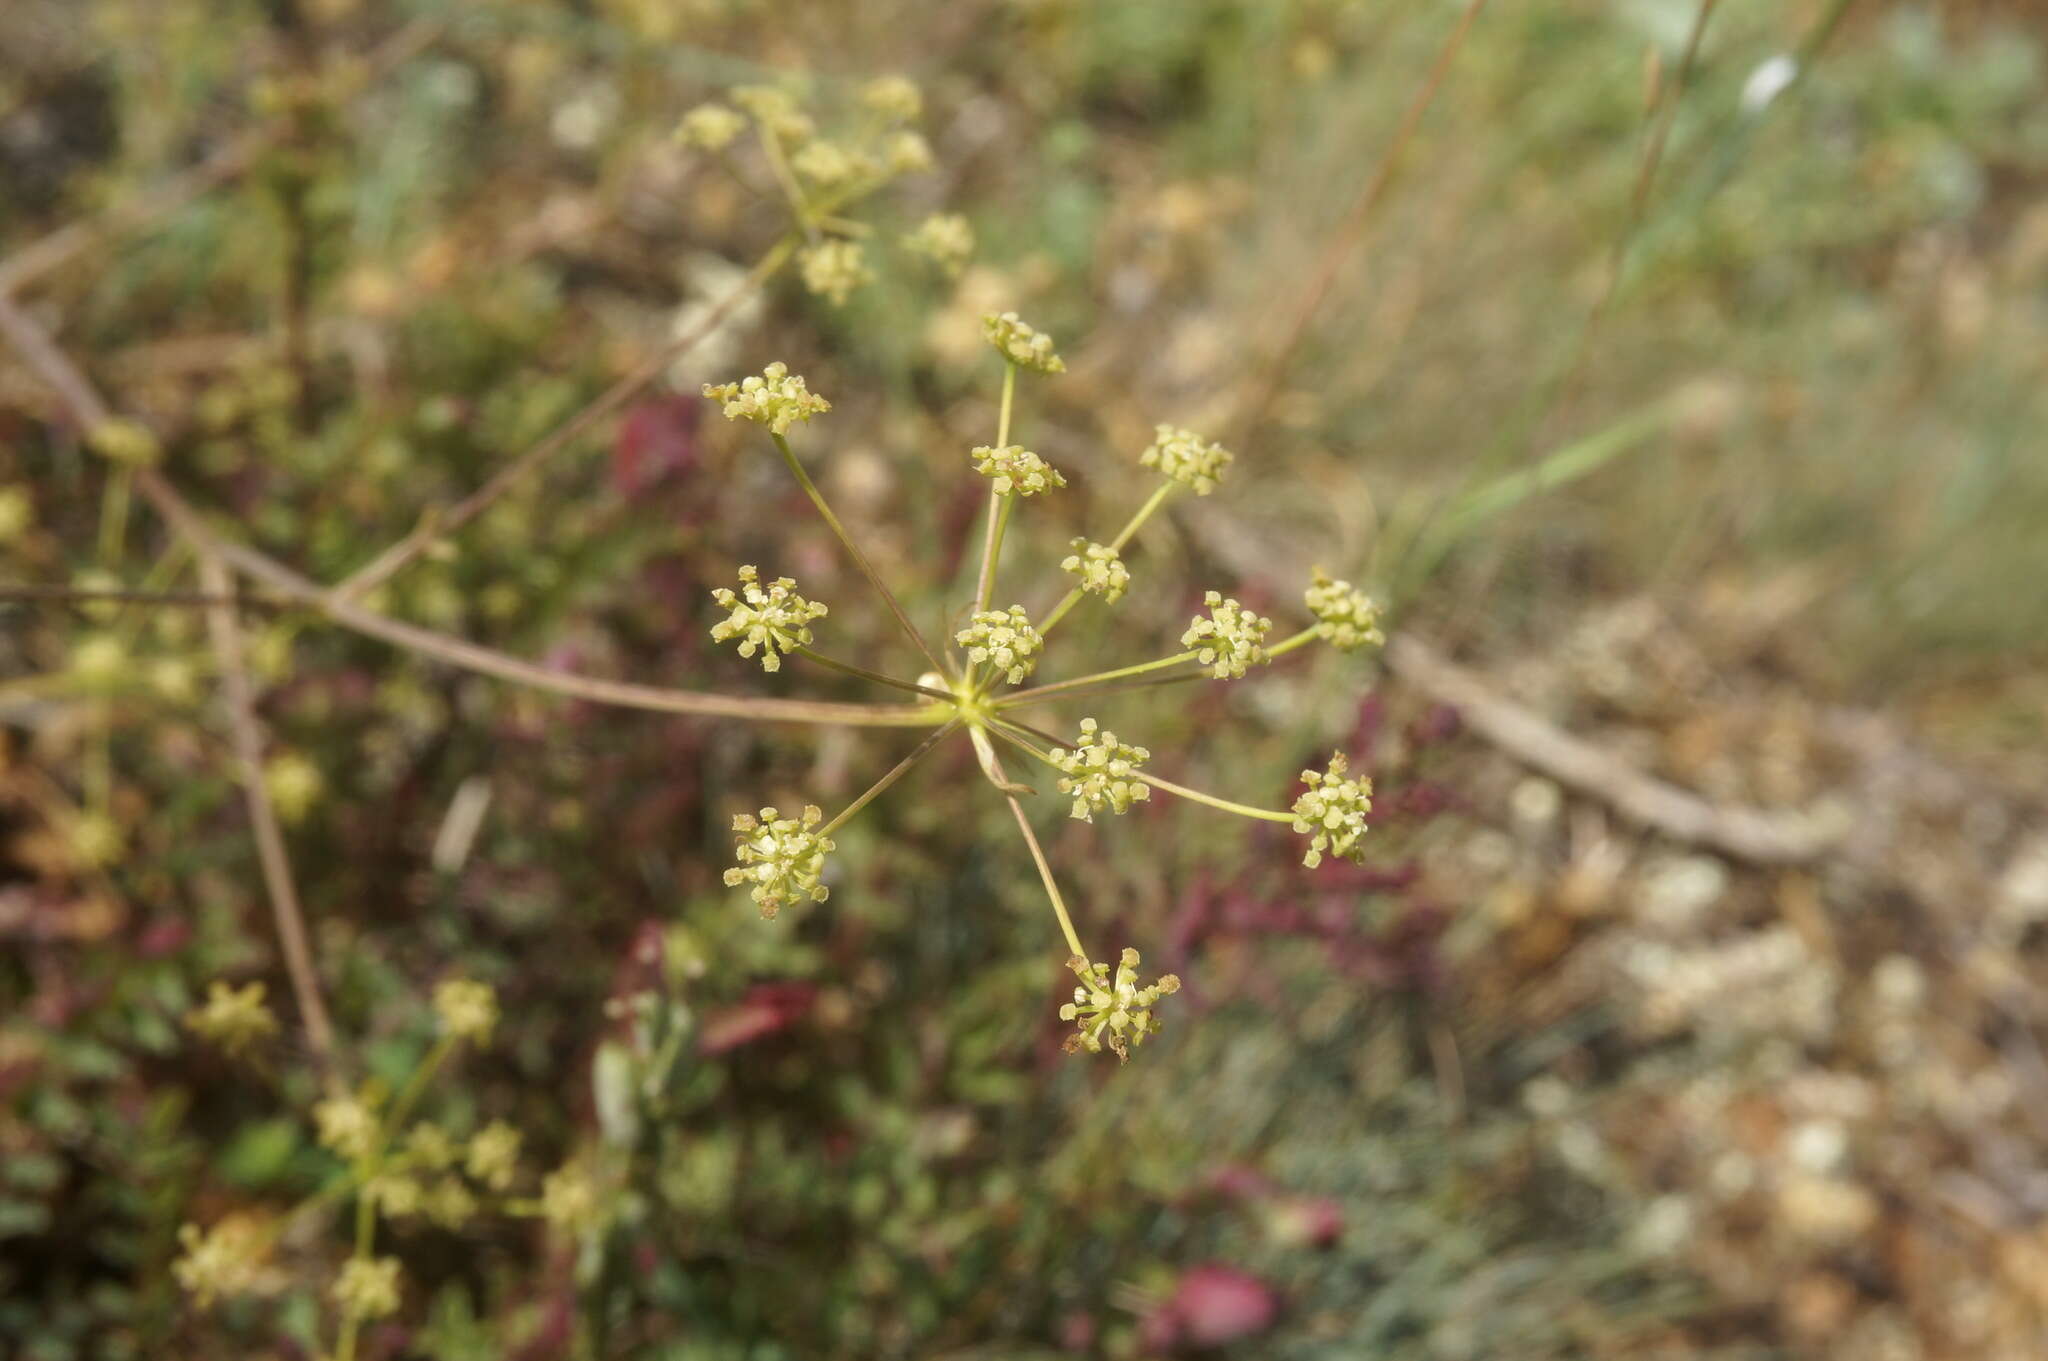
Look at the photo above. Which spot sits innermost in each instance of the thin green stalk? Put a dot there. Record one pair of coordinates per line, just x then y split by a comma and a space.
1242, 809
860, 559
896, 772
779, 164
999, 507
875, 676
1137, 521
1052, 889
1058, 687
1111, 688
1281, 649
1000, 504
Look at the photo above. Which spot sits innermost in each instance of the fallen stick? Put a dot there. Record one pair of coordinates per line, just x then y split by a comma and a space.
1746, 834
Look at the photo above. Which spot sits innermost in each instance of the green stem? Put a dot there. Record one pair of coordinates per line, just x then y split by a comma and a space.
1000, 505
1058, 687
860, 559
897, 772
1242, 809
1052, 889
779, 164
1137, 521
1112, 688
875, 676
1306, 636
998, 509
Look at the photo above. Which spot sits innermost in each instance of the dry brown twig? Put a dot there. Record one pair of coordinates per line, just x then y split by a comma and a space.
1744, 833
278, 883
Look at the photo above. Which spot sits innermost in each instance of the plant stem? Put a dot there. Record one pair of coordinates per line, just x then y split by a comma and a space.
1041, 691
1242, 809
1112, 688
1307, 635
896, 772
875, 676
860, 559
799, 207
437, 525
998, 508
1052, 888
275, 861
88, 408
1136, 522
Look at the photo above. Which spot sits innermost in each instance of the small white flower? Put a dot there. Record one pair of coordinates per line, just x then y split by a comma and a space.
1346, 618
768, 618
1332, 812
894, 97
1113, 1011
1013, 468
711, 127
1187, 458
776, 398
1101, 772
1018, 342
1100, 568
946, 239
833, 269
783, 858
1004, 637
1230, 640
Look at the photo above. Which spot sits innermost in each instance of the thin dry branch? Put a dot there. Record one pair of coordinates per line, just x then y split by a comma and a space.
285, 908
90, 410
1745, 833
437, 525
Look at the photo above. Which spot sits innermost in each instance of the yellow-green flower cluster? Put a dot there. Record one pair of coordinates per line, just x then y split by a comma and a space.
235, 1019
1346, 618
1100, 568
1013, 468
294, 784
776, 110
895, 98
232, 1258
367, 1287
769, 617
493, 1155
125, 441
775, 398
348, 1125
1116, 1012
712, 127
1017, 342
833, 269
568, 1199
1332, 812
783, 858
1004, 637
1187, 458
1101, 772
468, 1009
828, 164
1230, 640
945, 239
906, 153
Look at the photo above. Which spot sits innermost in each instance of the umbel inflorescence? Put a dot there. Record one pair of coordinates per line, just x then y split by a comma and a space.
975, 686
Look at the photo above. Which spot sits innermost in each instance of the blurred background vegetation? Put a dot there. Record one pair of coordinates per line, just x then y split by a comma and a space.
1537, 1083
